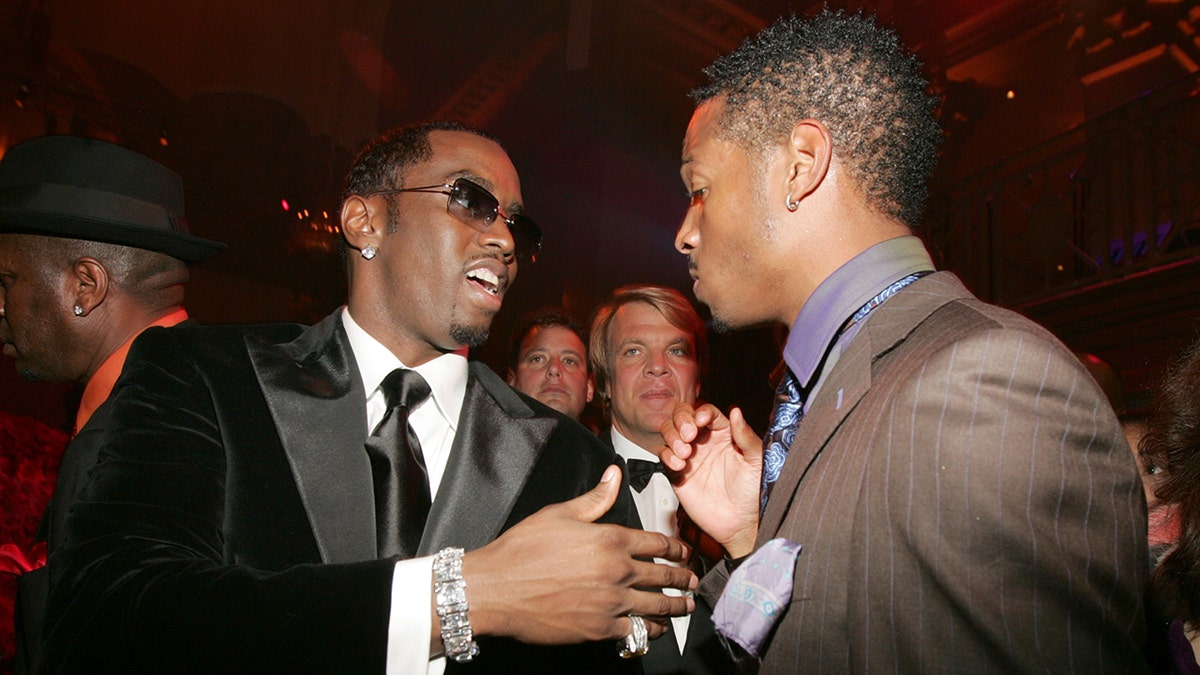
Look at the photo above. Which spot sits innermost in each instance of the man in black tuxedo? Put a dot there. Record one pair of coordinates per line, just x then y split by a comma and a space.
649, 350
231, 525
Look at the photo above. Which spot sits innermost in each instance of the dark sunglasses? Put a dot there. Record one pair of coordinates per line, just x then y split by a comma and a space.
475, 206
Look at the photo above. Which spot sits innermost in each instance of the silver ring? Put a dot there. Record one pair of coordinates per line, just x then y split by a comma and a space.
637, 643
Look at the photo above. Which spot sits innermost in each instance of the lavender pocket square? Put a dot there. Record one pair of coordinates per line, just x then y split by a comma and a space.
756, 595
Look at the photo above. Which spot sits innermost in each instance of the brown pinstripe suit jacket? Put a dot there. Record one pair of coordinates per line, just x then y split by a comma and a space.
965, 500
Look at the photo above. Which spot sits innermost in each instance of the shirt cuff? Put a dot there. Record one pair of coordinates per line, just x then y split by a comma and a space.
409, 619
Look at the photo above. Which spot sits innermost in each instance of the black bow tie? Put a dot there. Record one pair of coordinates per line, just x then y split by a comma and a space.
640, 471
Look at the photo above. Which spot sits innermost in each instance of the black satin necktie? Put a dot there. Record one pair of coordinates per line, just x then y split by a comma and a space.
398, 467
641, 470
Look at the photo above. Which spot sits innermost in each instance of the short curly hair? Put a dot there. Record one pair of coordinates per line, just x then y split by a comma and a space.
151, 279
544, 317
381, 163
855, 77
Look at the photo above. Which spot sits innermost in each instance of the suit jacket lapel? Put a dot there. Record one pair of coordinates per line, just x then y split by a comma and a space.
847, 383
851, 379
496, 446
315, 395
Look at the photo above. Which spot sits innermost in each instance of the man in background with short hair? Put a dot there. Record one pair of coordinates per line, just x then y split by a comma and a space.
649, 351
548, 361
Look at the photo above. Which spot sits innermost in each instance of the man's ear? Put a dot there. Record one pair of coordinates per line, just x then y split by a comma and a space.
591, 388
364, 221
808, 152
89, 283
512, 378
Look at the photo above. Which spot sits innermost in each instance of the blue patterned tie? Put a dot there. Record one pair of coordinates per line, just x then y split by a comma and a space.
789, 408
789, 398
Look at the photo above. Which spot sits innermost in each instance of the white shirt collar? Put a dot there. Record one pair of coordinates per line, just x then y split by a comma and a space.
446, 374
627, 449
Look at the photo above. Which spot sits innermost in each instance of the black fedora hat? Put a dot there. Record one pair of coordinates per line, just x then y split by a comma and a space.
82, 188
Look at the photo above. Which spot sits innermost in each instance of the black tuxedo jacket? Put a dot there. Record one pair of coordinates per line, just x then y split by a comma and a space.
703, 653
229, 525
33, 587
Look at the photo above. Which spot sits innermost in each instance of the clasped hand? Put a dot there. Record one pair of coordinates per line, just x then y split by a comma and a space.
558, 577
716, 467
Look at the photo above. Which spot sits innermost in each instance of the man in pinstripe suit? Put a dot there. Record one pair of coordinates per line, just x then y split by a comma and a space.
958, 495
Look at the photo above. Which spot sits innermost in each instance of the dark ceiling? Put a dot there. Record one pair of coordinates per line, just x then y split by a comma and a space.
260, 103
256, 103
592, 99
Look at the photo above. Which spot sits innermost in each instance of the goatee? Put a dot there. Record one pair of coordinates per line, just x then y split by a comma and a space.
471, 336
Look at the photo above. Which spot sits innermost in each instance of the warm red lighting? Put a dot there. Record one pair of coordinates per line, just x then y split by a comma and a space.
162, 140
285, 205
1010, 95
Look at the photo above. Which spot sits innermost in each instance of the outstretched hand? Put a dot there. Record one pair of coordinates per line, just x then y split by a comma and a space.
716, 466
558, 577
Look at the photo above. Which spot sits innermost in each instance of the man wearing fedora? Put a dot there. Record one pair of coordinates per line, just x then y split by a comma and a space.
94, 249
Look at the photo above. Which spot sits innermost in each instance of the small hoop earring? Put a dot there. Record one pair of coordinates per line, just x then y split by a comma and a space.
368, 252
78, 310
792, 205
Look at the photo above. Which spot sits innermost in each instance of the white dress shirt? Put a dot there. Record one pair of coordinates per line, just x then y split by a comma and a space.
657, 507
435, 421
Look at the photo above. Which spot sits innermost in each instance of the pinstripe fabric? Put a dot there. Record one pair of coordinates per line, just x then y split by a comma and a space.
971, 506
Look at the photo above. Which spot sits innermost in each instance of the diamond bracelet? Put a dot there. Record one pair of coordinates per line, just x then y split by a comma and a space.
451, 593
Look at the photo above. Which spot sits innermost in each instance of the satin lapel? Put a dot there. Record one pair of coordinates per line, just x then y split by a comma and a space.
315, 395
498, 442
851, 379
